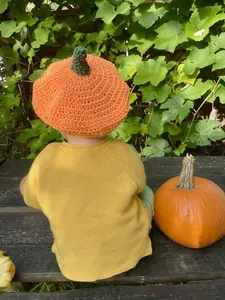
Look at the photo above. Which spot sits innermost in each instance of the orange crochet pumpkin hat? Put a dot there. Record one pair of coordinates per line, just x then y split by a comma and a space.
82, 96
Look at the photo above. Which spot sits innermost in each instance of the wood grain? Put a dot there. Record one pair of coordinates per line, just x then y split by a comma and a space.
158, 170
27, 239
192, 291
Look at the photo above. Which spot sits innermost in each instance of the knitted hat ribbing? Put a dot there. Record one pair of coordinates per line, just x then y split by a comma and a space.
82, 96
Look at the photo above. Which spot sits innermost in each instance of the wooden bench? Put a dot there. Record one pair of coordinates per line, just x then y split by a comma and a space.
172, 272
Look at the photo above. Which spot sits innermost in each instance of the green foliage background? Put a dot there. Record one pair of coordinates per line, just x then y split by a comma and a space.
172, 54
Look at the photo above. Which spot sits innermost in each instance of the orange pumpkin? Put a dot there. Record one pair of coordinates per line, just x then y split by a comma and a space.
190, 210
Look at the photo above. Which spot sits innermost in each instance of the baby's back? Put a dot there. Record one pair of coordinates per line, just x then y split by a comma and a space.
90, 196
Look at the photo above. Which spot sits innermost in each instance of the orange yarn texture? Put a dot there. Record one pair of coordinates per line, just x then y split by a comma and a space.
86, 106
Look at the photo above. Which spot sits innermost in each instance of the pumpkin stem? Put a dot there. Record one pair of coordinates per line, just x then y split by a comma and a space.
79, 63
186, 176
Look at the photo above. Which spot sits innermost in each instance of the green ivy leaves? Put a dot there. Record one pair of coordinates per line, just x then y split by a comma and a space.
201, 20
193, 92
176, 107
198, 59
38, 136
207, 131
159, 93
128, 65
158, 147
153, 71
172, 55
3, 5
170, 35
41, 33
107, 12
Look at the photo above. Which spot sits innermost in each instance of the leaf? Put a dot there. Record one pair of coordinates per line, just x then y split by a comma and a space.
154, 122
198, 58
41, 36
3, 5
38, 143
31, 54
217, 42
170, 35
11, 57
106, 12
8, 101
160, 93
201, 20
31, 21
98, 37
47, 23
24, 50
147, 15
123, 9
180, 77
171, 128
198, 90
150, 71
136, 3
128, 128
128, 65
148, 19
20, 26
10, 83
219, 60
7, 28
185, 109
116, 2
170, 65
180, 150
142, 41
158, 148
5, 117
132, 98
36, 74
38, 124
27, 134
176, 108
221, 93
207, 131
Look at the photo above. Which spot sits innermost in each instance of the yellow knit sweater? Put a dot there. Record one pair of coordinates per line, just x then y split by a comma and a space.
89, 195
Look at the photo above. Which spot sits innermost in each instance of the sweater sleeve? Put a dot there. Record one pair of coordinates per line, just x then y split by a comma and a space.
136, 168
36, 171
30, 185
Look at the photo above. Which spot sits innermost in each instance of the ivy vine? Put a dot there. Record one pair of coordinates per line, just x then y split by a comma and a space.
171, 53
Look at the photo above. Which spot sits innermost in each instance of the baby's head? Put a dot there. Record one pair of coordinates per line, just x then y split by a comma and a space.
81, 96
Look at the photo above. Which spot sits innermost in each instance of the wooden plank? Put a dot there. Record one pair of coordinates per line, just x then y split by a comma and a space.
27, 239
158, 170
167, 165
214, 290
2, 160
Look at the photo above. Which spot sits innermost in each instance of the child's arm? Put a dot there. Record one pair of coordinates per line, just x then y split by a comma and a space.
144, 192
28, 186
22, 185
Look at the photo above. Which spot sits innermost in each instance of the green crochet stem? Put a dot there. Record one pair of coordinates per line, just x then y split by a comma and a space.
79, 63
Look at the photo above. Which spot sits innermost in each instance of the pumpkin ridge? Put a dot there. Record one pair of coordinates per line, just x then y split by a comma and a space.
189, 209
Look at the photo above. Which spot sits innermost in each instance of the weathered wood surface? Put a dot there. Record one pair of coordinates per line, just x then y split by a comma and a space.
158, 171
27, 239
25, 235
2, 160
192, 291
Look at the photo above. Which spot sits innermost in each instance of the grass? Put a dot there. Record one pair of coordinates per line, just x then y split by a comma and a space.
47, 287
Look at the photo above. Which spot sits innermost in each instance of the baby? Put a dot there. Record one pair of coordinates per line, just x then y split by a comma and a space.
92, 190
